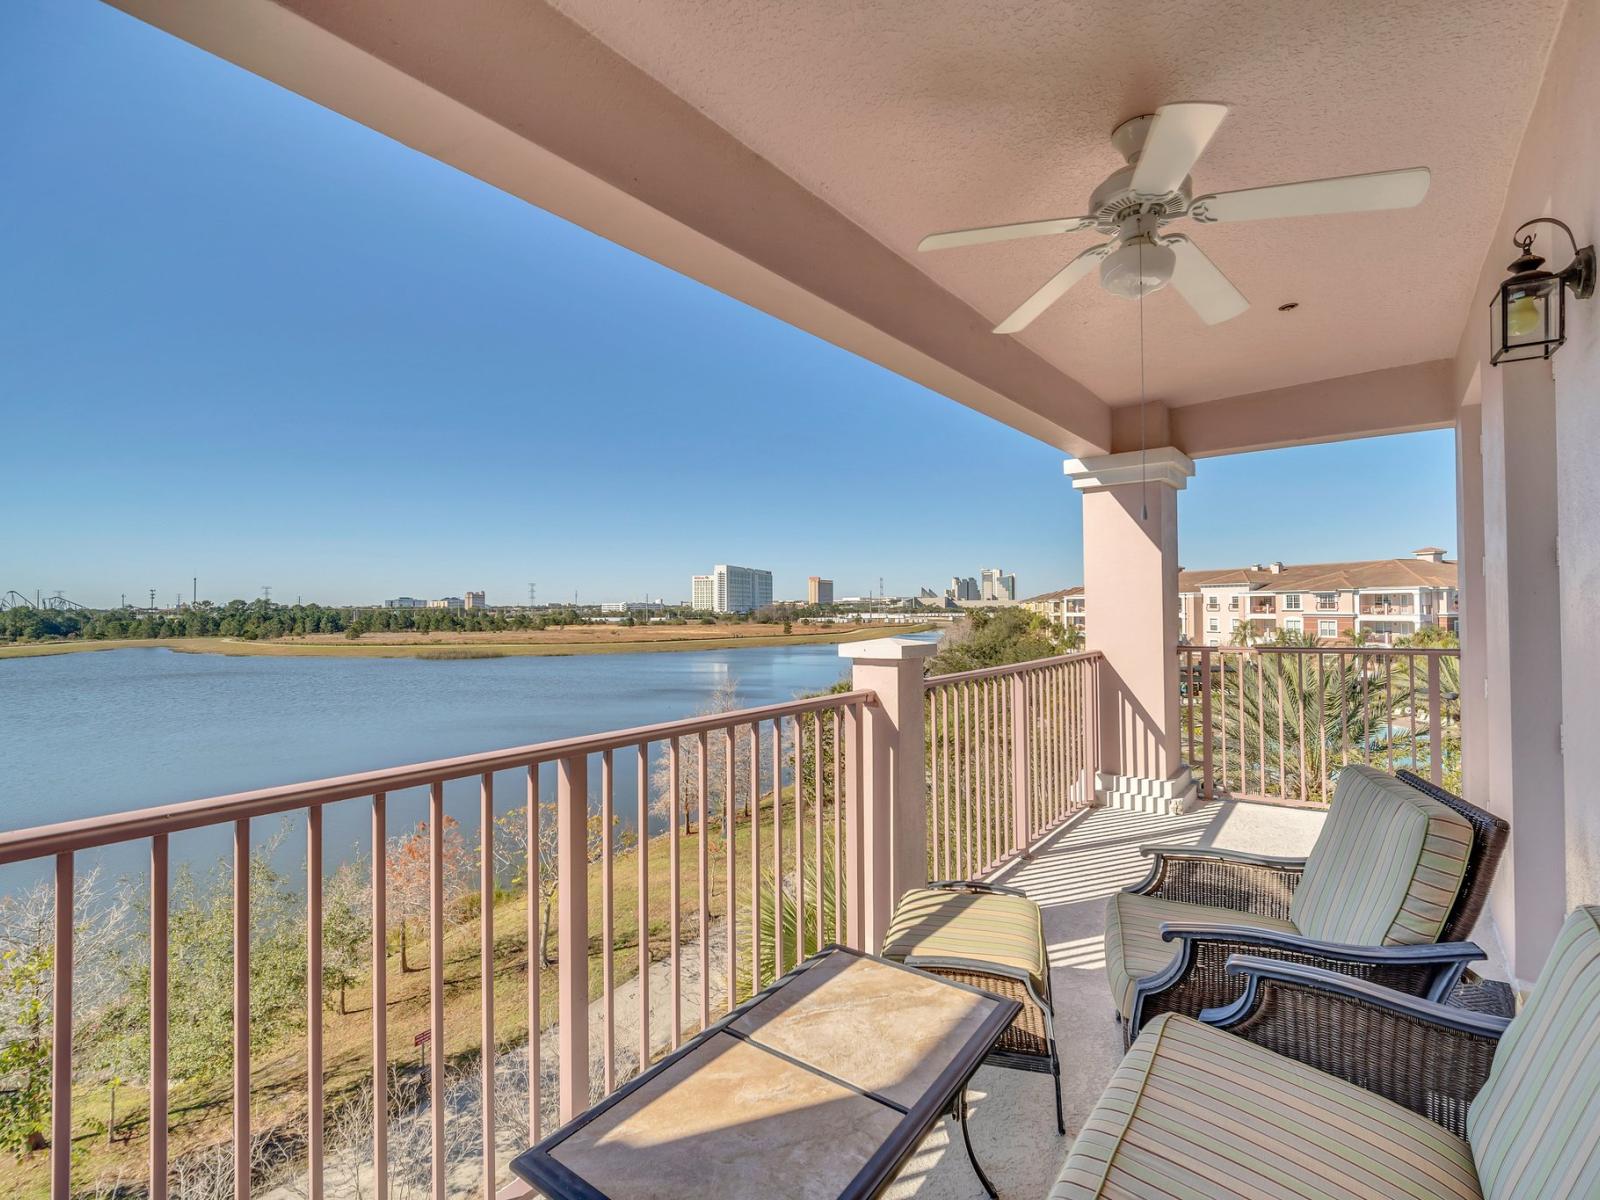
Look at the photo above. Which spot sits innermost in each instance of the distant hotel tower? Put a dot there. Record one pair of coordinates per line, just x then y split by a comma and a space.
819, 590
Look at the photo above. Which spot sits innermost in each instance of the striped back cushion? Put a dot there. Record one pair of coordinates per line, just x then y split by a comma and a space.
1535, 1126
1387, 867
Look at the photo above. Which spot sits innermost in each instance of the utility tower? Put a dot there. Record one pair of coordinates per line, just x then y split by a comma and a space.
266, 591
152, 599
533, 594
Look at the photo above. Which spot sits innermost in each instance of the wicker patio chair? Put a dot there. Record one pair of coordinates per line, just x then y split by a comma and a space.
1315, 1084
991, 937
1389, 893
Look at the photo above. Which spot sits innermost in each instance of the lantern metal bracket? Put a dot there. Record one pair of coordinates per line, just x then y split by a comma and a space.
1579, 274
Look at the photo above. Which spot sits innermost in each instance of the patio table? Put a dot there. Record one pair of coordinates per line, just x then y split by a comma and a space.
818, 1087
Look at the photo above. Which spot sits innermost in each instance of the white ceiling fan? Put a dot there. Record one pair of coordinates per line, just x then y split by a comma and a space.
1153, 190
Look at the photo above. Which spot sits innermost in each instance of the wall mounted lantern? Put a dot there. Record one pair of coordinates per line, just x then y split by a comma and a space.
1528, 316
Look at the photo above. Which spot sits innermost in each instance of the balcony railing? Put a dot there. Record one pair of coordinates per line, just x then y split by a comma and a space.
1278, 722
1387, 608
751, 846
779, 786
1011, 752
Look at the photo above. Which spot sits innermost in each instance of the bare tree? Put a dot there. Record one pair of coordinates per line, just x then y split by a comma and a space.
745, 760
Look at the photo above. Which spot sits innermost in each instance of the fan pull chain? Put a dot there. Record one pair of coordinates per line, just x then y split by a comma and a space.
1144, 491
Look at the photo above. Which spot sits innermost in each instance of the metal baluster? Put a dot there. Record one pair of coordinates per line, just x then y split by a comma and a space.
159, 886
755, 859
380, 997
729, 828
61, 1036
777, 846
241, 1010
314, 1003
535, 956
486, 972
436, 1083
608, 973
642, 765
703, 874
675, 920
799, 841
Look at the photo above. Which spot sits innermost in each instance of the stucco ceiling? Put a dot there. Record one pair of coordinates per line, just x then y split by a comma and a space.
910, 118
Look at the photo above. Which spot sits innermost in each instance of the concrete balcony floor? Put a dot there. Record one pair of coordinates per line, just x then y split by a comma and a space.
1071, 875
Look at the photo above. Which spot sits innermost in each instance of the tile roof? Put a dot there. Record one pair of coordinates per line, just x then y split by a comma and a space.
1058, 594
1326, 577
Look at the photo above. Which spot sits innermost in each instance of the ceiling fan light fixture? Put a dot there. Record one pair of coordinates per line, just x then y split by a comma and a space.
1137, 267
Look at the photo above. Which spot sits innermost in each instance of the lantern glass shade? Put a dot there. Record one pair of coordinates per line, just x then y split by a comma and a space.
1528, 317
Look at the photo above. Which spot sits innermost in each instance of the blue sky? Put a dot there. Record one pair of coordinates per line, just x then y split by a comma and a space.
244, 338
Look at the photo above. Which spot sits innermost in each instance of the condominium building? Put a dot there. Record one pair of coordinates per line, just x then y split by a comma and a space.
450, 602
731, 589
1064, 606
638, 606
1378, 600
819, 590
405, 602
475, 600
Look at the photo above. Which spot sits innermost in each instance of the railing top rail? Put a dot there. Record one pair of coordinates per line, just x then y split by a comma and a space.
1011, 668
90, 832
1434, 651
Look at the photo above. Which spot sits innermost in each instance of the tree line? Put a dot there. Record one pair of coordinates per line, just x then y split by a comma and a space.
256, 619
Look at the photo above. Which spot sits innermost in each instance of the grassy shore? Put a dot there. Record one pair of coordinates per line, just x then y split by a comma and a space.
583, 639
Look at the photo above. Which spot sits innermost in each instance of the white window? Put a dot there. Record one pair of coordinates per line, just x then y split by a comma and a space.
1293, 625
1328, 601
1327, 629
1212, 603
1292, 602
1233, 604
1211, 625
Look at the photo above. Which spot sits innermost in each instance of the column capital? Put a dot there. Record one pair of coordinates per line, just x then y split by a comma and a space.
889, 649
1160, 464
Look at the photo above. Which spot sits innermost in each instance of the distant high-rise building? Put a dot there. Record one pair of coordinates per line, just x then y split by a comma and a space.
819, 590
997, 585
963, 589
475, 600
703, 593
731, 589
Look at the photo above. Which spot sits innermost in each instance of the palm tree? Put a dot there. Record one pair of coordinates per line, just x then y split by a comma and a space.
1289, 720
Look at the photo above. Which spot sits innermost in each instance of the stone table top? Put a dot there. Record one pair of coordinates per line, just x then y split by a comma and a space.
818, 1088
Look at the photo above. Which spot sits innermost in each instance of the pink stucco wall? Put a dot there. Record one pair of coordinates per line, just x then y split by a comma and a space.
1533, 647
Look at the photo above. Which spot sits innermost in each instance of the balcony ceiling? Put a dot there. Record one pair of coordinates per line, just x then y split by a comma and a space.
915, 118
792, 154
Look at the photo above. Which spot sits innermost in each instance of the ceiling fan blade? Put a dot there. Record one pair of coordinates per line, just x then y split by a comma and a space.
1316, 197
1199, 281
1056, 288
1177, 138
1004, 233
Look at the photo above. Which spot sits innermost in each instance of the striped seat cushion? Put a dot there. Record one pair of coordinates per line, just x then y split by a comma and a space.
1535, 1126
1197, 1114
1386, 869
1134, 948
931, 923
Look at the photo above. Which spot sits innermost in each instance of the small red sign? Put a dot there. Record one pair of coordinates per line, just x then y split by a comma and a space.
425, 1036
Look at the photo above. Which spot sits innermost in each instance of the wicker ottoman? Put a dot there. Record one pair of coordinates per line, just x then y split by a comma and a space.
991, 937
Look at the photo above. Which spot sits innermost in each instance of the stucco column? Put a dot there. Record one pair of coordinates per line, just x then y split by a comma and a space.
1130, 583
1523, 658
893, 830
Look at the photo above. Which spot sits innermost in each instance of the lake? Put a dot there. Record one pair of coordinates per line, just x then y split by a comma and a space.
96, 733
